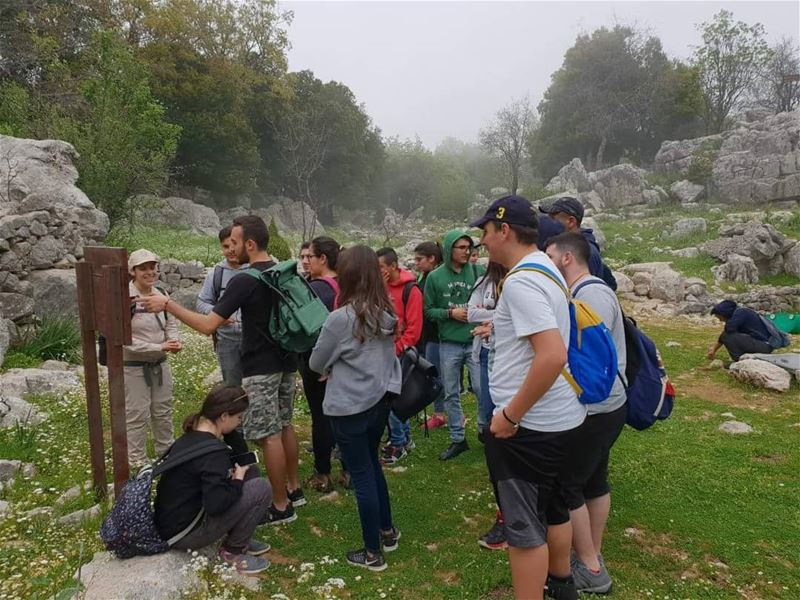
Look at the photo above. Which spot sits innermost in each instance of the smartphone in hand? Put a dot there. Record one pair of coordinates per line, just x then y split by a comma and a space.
247, 458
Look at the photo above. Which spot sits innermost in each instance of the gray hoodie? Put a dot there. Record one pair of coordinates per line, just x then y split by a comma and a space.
359, 374
206, 300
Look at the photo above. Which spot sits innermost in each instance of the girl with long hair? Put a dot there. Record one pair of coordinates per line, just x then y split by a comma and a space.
355, 350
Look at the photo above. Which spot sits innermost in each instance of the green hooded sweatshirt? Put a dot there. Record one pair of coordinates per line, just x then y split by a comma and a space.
444, 289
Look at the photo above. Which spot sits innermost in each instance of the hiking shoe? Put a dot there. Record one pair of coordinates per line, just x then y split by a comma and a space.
560, 589
246, 564
367, 560
277, 517
297, 497
320, 483
435, 421
410, 445
587, 580
390, 539
393, 455
257, 548
454, 450
495, 538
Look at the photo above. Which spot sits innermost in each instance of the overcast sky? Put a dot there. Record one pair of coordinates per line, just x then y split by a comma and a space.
438, 69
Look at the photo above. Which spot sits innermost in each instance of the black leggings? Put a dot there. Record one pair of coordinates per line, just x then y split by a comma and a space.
740, 343
321, 434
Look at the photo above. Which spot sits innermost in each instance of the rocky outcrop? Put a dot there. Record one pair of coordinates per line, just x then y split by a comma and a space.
179, 213
675, 156
736, 269
761, 242
45, 222
616, 187
686, 227
761, 374
289, 215
760, 162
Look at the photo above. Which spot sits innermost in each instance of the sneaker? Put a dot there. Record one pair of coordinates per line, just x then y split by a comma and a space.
410, 445
588, 581
560, 589
390, 539
393, 455
435, 421
277, 517
246, 564
454, 450
297, 497
257, 548
495, 538
366, 560
320, 483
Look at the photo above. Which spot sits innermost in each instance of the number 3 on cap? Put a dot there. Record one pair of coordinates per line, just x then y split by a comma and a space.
501, 212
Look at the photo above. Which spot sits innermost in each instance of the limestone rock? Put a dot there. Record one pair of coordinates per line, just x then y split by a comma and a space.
760, 162
15, 306
716, 364
791, 260
686, 191
620, 185
735, 428
624, 283
9, 468
759, 241
5, 338
761, 374
77, 517
690, 252
675, 156
15, 411
178, 213
572, 176
686, 227
738, 269
667, 285
55, 292
19, 382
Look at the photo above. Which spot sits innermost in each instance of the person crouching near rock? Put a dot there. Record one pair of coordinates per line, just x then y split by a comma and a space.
148, 378
234, 503
356, 351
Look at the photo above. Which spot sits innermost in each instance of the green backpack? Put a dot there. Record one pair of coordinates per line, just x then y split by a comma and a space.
297, 314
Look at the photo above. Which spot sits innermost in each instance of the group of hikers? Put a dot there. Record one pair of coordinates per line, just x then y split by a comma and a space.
506, 324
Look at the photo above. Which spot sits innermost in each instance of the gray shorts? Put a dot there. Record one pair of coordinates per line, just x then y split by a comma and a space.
270, 410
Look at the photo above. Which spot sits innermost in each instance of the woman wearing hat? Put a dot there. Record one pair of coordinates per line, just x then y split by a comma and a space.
148, 379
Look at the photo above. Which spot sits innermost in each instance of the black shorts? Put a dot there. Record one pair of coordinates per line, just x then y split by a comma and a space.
584, 474
524, 471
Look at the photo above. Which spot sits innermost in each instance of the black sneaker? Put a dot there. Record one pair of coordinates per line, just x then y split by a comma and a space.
559, 588
297, 498
454, 450
390, 539
366, 560
495, 538
276, 517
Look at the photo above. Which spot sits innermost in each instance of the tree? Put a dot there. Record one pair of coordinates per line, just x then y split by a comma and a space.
779, 86
730, 62
507, 137
278, 247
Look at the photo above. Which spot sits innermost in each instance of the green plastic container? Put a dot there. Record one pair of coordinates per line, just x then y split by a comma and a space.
786, 322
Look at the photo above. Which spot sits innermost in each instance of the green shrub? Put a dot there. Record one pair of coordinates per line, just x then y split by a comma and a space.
19, 360
57, 338
278, 247
702, 165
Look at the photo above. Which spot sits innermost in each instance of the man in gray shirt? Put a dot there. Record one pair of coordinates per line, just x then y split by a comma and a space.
584, 476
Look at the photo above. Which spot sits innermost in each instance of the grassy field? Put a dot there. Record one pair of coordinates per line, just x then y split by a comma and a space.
697, 514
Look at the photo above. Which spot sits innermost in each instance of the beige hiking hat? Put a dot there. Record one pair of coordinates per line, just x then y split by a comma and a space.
141, 256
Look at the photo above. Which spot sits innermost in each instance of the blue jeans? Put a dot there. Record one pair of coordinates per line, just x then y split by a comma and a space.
399, 432
358, 437
485, 404
432, 356
453, 357
230, 360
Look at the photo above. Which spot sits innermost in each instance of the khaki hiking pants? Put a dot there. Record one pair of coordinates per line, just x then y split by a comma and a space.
145, 406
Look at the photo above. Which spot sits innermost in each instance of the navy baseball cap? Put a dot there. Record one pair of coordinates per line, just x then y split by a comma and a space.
569, 205
514, 210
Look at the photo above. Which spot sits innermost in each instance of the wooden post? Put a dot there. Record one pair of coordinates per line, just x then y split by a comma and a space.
83, 272
119, 313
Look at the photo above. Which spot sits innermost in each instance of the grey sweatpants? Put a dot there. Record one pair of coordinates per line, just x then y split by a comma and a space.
236, 524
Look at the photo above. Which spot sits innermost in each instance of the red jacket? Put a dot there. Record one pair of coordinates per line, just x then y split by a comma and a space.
410, 315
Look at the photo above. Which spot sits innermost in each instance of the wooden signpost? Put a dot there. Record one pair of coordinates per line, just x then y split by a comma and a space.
104, 306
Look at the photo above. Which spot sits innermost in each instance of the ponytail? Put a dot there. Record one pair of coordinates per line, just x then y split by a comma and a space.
190, 422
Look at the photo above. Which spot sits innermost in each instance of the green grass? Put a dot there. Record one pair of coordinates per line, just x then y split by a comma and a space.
697, 498
167, 242
57, 337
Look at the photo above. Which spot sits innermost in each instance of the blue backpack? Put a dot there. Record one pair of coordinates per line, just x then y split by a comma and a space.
649, 390
591, 355
130, 529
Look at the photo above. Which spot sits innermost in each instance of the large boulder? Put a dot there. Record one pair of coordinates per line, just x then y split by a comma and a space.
14, 411
572, 176
675, 156
761, 374
20, 382
760, 162
759, 241
686, 191
55, 292
289, 215
667, 285
686, 227
15, 306
620, 185
180, 213
791, 260
736, 269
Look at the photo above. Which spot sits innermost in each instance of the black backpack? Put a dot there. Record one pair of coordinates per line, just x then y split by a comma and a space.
130, 528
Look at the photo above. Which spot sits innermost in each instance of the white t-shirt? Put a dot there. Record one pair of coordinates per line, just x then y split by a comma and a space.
531, 303
604, 301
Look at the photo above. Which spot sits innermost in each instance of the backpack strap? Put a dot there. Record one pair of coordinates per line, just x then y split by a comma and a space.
583, 284
216, 283
169, 460
410, 285
542, 270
